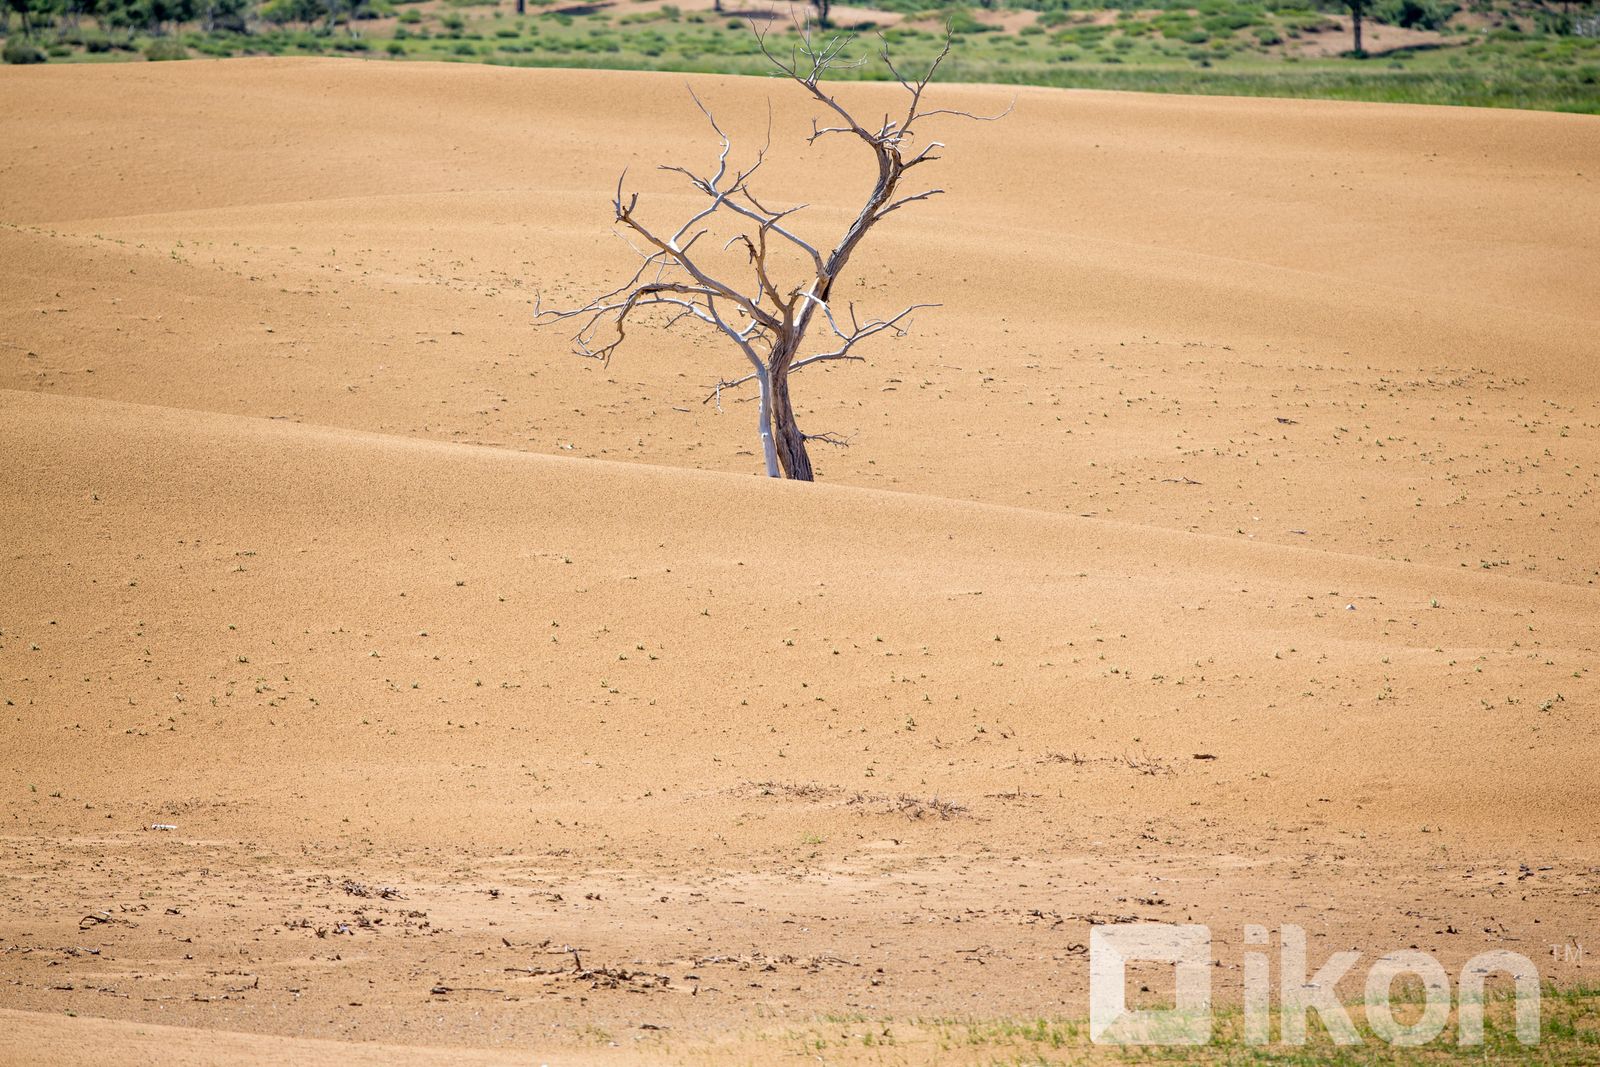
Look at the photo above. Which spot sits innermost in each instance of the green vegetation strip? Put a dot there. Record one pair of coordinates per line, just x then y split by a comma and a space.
1487, 53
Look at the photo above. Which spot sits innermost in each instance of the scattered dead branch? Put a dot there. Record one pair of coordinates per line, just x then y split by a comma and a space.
911, 807
804, 790
595, 977
1142, 763
760, 961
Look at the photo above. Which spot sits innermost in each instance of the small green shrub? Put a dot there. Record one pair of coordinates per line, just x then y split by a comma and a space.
963, 21
1226, 23
20, 52
165, 48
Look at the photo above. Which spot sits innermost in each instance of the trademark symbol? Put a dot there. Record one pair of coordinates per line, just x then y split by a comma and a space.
1570, 952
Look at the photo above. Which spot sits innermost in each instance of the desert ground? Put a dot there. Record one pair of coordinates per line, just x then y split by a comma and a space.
1223, 549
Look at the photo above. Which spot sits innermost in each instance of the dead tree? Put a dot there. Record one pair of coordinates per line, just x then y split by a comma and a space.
768, 318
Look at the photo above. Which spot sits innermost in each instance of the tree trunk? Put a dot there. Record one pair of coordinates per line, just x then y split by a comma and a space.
790, 442
769, 450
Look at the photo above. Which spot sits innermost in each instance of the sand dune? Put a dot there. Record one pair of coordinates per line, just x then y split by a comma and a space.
1264, 432
702, 625
1145, 289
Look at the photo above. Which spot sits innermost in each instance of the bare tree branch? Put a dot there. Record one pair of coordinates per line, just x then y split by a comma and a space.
829, 438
